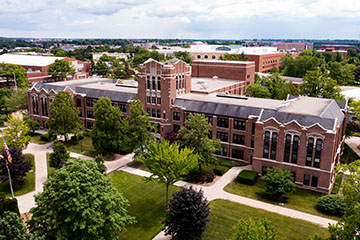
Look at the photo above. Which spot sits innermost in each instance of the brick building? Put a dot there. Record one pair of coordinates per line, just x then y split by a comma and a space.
37, 66
298, 46
302, 134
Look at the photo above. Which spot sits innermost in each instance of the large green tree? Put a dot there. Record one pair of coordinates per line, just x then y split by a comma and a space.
278, 182
13, 72
63, 115
168, 163
299, 66
184, 56
78, 202
196, 136
248, 229
316, 84
107, 133
16, 131
278, 86
257, 90
61, 69
17, 100
234, 57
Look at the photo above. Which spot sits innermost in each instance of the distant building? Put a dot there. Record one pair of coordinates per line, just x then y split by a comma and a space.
297, 46
302, 134
336, 47
97, 56
37, 66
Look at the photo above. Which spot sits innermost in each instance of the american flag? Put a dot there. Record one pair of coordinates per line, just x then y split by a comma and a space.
8, 159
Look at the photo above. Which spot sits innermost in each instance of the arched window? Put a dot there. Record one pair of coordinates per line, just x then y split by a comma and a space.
287, 148
273, 146
309, 152
295, 148
266, 144
317, 153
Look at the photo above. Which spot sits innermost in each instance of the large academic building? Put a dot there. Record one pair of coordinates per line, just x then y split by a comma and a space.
302, 134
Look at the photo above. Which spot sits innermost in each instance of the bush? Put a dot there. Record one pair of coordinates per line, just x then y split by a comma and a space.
210, 177
60, 155
220, 170
8, 204
333, 204
47, 137
278, 182
247, 177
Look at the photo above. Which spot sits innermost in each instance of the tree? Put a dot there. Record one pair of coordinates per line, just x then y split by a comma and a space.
336, 72
196, 136
78, 202
18, 169
107, 133
234, 57
101, 68
12, 227
137, 127
315, 84
8, 205
278, 86
300, 65
17, 100
251, 230
60, 70
257, 90
278, 182
60, 155
13, 72
184, 56
32, 124
355, 107
100, 162
63, 115
16, 131
188, 215
168, 163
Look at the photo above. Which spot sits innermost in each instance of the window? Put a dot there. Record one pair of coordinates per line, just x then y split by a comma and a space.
148, 110
209, 119
223, 151
266, 144
153, 100
44, 108
158, 113
89, 103
253, 128
177, 82
35, 105
90, 114
122, 107
198, 56
238, 154
222, 136
309, 152
314, 181
295, 148
263, 170
248, 76
239, 124
223, 122
158, 84
153, 112
239, 139
148, 99
252, 143
206, 56
176, 127
153, 83
176, 116
273, 146
148, 83
210, 134
287, 148
183, 82
164, 115
318, 148
78, 102
89, 125
158, 100
213, 57
306, 179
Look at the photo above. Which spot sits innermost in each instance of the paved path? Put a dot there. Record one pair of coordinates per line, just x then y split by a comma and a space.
353, 143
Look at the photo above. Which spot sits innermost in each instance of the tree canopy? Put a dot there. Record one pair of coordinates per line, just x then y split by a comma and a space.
63, 115
60, 70
278, 182
11, 72
248, 229
16, 132
257, 90
78, 202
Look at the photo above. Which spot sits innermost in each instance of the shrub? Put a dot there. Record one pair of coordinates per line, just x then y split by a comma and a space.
247, 177
278, 182
220, 170
210, 176
60, 155
333, 204
337, 184
8, 204
47, 137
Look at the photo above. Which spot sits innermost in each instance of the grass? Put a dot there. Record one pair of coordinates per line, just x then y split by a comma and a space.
147, 204
29, 184
349, 155
224, 214
87, 147
302, 199
50, 170
35, 138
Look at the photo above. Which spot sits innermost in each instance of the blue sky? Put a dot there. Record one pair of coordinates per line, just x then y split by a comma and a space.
225, 19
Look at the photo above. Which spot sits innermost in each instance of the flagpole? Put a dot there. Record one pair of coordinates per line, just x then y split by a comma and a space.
7, 167
11, 188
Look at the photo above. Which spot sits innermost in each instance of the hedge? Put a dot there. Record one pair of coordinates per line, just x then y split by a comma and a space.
47, 137
220, 170
333, 204
247, 177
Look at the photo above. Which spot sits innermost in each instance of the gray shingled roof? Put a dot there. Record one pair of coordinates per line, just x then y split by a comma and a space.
47, 87
113, 95
219, 109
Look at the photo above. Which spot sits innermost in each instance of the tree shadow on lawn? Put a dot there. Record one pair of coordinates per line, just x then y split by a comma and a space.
280, 200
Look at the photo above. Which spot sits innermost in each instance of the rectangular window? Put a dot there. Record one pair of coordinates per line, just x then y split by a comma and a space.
148, 99
238, 154
153, 83
252, 143
253, 128
209, 119
318, 148
44, 107
153, 100
176, 116
295, 148
78, 102
239, 139
314, 181
266, 144
148, 84
306, 179
89, 114
148, 110
158, 100
287, 148
223, 122
309, 152
210, 134
263, 170
89, 103
273, 146
222, 136
158, 113
158, 84
89, 125
164, 115
183, 82
177, 82
35, 105
153, 112
223, 151
122, 107
239, 124
176, 127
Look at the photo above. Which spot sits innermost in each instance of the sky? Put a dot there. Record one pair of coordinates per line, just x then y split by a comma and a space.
195, 19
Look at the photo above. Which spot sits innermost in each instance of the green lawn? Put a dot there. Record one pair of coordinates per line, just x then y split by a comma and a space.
87, 147
50, 170
147, 204
29, 184
302, 200
224, 214
35, 138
